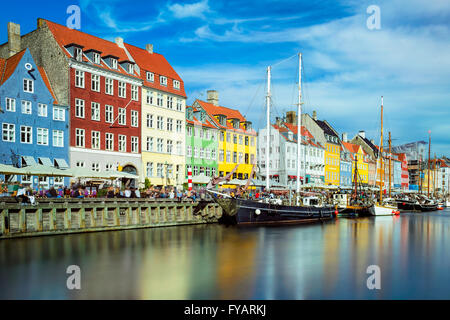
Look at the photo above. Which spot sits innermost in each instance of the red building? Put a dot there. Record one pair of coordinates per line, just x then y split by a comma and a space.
405, 175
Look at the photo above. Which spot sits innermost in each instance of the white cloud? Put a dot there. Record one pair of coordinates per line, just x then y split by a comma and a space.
193, 10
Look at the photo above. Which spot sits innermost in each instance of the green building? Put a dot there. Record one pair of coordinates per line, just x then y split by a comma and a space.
201, 143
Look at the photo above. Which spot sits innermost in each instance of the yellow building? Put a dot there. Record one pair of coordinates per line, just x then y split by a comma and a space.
358, 153
237, 139
332, 153
162, 119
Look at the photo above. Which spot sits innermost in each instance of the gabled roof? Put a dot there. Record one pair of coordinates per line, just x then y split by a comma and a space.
8, 66
325, 126
213, 111
352, 148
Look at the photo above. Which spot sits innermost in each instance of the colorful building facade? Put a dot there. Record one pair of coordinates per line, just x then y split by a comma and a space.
201, 143
34, 124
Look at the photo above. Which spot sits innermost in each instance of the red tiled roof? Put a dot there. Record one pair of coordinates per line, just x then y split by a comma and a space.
156, 63
352, 148
47, 83
213, 110
9, 65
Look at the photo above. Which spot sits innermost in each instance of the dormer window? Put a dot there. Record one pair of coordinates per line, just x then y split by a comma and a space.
131, 68
113, 63
163, 81
96, 57
150, 76
78, 54
176, 84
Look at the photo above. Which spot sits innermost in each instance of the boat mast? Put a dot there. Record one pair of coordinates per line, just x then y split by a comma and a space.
299, 121
390, 155
355, 177
381, 154
268, 130
429, 159
434, 177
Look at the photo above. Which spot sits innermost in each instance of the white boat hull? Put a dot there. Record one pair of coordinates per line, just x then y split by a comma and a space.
447, 204
384, 210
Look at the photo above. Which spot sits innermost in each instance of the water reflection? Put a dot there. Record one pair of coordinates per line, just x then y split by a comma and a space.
321, 261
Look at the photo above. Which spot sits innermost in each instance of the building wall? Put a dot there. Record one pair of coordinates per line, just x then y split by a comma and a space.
11, 152
363, 168
176, 159
193, 140
332, 166
345, 173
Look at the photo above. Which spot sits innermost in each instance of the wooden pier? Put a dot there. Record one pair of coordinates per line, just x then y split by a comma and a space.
64, 216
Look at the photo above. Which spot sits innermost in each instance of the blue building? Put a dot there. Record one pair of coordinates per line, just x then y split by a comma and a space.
34, 126
346, 168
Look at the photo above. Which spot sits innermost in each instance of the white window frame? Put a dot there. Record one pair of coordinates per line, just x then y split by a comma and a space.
150, 76
80, 136
10, 131
26, 107
10, 105
79, 79
134, 93
134, 118
59, 114
122, 143
95, 140
109, 86
80, 108
163, 81
134, 144
109, 141
29, 133
95, 82
42, 110
95, 111
176, 84
122, 116
58, 136
42, 136
109, 114
122, 89
28, 85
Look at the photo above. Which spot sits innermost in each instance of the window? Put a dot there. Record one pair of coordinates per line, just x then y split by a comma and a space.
159, 100
79, 79
95, 111
189, 131
235, 157
195, 152
213, 154
169, 102
134, 144
96, 57
246, 141
95, 83
228, 156
169, 124
122, 116
135, 93
109, 141
79, 138
109, 86
189, 151
149, 120
150, 76
28, 85
42, 110
149, 97
179, 126
113, 63
122, 89
208, 153
179, 148
149, 143
169, 146
8, 132
241, 157
80, 164
202, 153
202, 133
195, 170
42, 136
195, 132
79, 108
235, 139
163, 81
59, 114
109, 114
159, 170
26, 107
109, 167
95, 141
176, 84
26, 135
96, 166
179, 105
10, 105
159, 123
131, 68
149, 169
222, 135
240, 140
58, 138
159, 145
228, 137
134, 118
122, 143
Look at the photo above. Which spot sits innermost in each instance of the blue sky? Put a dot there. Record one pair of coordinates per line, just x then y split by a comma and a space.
227, 45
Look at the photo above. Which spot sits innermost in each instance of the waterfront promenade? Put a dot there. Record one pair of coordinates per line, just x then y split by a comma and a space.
62, 216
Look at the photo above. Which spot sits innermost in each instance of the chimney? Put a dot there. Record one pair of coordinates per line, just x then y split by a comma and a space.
14, 44
213, 97
119, 42
362, 134
149, 48
344, 137
314, 115
291, 117
278, 121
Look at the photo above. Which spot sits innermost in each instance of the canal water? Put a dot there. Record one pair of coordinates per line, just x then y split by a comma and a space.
320, 261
